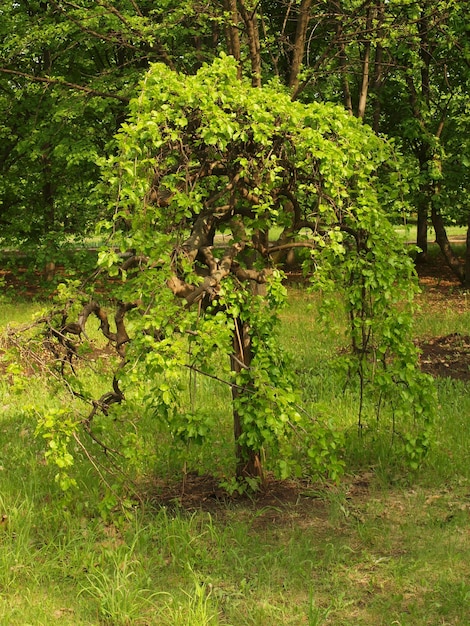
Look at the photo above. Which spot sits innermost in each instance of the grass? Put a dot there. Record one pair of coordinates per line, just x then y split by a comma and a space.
407, 232
382, 547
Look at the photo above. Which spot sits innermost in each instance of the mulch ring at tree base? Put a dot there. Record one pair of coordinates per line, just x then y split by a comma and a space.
447, 356
204, 492
278, 502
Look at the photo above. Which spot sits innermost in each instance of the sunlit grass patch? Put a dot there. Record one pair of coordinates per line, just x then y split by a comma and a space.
383, 545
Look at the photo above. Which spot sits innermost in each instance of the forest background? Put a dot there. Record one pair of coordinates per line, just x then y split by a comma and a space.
68, 71
68, 74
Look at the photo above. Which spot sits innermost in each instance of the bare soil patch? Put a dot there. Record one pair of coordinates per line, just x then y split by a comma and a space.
447, 356
194, 491
278, 502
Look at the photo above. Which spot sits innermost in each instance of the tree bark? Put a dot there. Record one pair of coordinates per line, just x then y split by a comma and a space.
422, 231
361, 106
250, 20
49, 210
299, 43
466, 282
233, 35
441, 237
248, 460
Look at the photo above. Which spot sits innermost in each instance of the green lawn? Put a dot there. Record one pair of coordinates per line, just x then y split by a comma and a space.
384, 546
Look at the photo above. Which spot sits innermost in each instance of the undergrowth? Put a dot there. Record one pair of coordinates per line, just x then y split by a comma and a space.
384, 545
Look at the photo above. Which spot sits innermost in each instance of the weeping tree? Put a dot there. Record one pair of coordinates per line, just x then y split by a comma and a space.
212, 183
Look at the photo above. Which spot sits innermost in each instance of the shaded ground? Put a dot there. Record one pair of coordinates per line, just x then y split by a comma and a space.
275, 503
447, 356
195, 492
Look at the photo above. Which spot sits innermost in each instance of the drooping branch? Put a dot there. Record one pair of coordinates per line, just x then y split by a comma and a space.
122, 338
94, 307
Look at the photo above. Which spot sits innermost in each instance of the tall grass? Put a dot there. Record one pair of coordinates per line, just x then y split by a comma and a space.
384, 546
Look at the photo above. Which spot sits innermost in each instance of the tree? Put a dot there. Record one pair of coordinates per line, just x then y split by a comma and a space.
403, 67
431, 104
68, 70
53, 128
207, 156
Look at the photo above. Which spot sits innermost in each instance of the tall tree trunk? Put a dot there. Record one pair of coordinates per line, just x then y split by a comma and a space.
466, 282
233, 34
422, 231
441, 237
303, 19
361, 105
49, 209
250, 20
425, 156
248, 460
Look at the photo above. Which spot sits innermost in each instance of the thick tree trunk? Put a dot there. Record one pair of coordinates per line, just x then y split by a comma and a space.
248, 460
449, 255
49, 209
441, 237
233, 34
250, 20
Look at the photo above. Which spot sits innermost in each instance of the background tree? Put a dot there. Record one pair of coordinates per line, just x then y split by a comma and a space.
52, 131
67, 71
403, 68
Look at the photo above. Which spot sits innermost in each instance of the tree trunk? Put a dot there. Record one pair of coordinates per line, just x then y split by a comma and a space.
466, 282
49, 211
441, 237
248, 460
422, 232
233, 35
450, 257
250, 20
361, 106
303, 19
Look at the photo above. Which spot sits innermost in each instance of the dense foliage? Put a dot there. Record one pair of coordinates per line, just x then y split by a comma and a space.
67, 71
215, 184
207, 169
